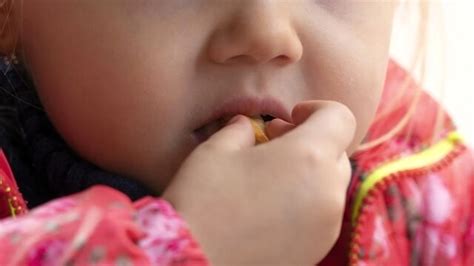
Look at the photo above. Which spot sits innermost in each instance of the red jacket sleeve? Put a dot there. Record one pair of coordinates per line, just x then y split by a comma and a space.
11, 201
99, 226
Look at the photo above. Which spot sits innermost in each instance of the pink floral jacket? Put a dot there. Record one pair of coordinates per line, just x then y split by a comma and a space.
411, 202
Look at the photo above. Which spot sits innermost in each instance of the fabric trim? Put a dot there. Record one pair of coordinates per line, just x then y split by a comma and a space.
419, 160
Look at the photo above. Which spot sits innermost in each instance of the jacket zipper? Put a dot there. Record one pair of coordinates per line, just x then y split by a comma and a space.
363, 209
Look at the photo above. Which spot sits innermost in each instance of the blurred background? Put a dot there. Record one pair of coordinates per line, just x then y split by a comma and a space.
450, 57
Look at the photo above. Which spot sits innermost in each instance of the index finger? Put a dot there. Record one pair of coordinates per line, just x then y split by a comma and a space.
329, 126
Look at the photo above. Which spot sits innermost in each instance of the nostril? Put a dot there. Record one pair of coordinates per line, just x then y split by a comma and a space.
244, 59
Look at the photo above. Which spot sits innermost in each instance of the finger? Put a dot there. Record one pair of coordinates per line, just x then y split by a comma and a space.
327, 125
237, 134
277, 128
345, 170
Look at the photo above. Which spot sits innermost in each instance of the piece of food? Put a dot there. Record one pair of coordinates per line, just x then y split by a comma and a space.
259, 129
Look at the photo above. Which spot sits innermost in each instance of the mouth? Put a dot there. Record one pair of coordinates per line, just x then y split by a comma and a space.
265, 109
206, 131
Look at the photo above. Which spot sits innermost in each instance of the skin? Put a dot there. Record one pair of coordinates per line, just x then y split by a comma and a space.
125, 82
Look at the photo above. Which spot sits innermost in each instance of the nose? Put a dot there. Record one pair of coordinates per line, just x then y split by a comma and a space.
256, 34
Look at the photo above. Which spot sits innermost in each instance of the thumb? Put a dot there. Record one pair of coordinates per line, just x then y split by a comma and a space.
237, 134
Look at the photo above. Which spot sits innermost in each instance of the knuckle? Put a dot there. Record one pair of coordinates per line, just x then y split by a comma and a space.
334, 202
311, 155
345, 171
345, 114
340, 203
335, 212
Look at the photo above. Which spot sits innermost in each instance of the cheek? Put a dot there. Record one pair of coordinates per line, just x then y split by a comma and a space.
120, 122
344, 68
119, 104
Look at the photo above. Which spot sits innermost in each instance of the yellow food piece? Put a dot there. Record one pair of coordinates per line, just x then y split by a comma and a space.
259, 129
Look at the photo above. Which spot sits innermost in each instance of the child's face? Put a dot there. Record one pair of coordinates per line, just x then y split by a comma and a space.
127, 82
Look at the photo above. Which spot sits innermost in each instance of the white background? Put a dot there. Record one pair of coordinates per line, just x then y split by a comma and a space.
452, 26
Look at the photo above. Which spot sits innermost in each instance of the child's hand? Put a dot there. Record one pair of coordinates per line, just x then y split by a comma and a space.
277, 203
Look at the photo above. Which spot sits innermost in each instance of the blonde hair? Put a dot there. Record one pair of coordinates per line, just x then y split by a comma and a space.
418, 64
8, 28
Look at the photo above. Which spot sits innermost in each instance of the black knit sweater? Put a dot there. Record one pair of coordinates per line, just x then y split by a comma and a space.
43, 164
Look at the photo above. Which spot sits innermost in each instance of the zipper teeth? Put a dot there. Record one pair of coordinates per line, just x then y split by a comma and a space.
381, 186
14, 202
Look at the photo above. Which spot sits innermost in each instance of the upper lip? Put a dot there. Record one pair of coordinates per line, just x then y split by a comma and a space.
249, 106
